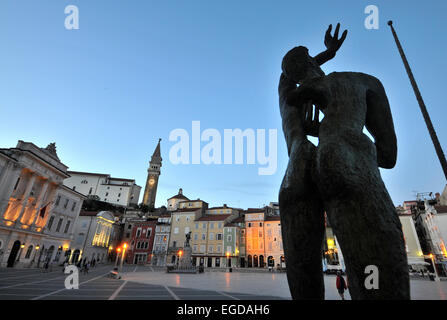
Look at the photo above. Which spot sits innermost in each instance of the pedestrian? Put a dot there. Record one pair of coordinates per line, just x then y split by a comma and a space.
341, 285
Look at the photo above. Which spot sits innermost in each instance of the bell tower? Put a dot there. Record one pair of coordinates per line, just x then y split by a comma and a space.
153, 173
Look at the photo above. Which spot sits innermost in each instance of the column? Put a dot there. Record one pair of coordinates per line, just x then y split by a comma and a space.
7, 185
39, 201
26, 195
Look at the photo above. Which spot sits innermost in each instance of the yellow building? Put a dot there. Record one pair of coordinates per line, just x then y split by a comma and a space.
182, 222
208, 241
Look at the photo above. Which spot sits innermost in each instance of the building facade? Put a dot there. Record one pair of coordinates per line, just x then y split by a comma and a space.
30, 179
208, 240
142, 242
93, 235
161, 240
117, 191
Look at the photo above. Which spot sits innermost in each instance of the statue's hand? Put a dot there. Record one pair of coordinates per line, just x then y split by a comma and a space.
332, 43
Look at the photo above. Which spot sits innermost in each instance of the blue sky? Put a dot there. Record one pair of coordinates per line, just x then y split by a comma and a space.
135, 70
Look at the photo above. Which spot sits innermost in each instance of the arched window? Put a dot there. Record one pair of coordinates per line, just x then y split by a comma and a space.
249, 261
28, 252
255, 261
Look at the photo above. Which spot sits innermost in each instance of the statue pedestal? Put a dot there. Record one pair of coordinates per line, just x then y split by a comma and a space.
185, 260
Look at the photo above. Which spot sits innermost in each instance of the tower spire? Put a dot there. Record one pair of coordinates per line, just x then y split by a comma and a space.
431, 129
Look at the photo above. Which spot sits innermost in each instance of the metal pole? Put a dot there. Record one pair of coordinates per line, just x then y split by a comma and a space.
422, 106
122, 260
116, 260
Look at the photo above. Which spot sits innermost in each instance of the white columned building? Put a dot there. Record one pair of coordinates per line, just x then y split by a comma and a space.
30, 179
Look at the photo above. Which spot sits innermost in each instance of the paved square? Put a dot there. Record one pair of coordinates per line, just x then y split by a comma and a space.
145, 283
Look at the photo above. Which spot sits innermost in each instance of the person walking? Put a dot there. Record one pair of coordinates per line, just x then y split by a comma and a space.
341, 285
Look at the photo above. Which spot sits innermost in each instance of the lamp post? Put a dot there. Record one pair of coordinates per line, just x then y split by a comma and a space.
180, 253
432, 257
118, 250
228, 259
122, 258
20, 252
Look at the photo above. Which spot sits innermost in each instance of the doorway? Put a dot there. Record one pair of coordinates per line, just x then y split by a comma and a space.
13, 255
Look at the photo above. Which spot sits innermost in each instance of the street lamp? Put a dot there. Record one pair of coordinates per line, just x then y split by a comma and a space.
118, 250
122, 258
20, 252
228, 259
432, 257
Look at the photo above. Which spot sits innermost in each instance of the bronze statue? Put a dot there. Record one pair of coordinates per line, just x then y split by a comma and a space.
340, 176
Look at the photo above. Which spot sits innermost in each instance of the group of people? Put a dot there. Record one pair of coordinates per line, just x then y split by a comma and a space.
83, 265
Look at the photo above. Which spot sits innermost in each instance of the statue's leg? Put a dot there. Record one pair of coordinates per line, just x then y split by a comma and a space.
302, 225
369, 232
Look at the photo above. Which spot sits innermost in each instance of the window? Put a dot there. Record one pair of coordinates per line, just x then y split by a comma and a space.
66, 204
203, 236
174, 244
260, 233
260, 224
165, 238
203, 225
119, 195
211, 236
84, 181
67, 226
229, 238
217, 262
59, 223
219, 236
175, 231
187, 230
219, 225
177, 218
211, 225
90, 191
117, 200
73, 206
50, 223
202, 248
107, 194
197, 226
149, 232
195, 248
138, 232
58, 200
219, 249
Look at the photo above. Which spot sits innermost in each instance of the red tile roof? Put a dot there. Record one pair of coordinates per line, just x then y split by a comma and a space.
187, 210
214, 217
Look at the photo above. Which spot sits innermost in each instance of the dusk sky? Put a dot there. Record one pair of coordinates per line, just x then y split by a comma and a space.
136, 70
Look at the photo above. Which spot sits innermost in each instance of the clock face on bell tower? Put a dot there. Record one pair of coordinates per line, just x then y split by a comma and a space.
150, 191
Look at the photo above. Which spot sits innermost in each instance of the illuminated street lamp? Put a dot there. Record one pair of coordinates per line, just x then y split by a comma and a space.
228, 259
432, 257
20, 252
122, 258
118, 250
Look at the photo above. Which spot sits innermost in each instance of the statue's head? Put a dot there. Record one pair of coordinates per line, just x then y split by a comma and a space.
298, 65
